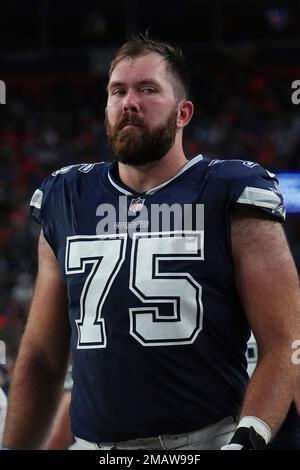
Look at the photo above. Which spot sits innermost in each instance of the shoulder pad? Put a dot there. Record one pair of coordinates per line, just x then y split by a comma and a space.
237, 169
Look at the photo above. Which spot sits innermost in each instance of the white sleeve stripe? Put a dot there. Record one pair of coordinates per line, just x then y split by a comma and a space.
37, 199
261, 198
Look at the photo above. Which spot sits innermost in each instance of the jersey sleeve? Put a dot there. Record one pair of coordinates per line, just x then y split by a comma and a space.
41, 207
51, 202
249, 184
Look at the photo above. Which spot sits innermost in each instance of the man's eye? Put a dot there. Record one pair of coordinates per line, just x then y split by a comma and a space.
118, 92
148, 90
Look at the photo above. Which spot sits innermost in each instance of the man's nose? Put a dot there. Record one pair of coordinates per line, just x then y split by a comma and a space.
130, 102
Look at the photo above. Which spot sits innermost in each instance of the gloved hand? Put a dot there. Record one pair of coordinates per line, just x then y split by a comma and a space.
245, 439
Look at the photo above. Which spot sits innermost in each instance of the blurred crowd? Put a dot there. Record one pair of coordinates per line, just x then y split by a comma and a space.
53, 121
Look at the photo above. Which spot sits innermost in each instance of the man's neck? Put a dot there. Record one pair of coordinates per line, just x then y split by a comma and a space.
145, 177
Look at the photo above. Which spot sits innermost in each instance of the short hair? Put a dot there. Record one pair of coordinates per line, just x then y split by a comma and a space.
142, 44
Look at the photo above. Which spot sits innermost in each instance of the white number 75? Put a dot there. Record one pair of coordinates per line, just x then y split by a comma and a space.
149, 283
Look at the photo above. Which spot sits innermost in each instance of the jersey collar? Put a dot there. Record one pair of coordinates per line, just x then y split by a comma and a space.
117, 184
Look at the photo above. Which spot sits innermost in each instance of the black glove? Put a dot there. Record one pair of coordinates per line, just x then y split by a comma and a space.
245, 439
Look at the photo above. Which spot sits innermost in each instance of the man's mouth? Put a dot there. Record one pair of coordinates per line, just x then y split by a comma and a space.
130, 125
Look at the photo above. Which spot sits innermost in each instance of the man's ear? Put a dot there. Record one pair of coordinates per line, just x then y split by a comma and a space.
185, 113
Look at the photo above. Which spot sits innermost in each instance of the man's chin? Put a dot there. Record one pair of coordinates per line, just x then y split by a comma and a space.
131, 160
129, 154
139, 159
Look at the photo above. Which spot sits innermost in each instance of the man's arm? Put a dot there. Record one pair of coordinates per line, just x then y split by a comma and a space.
268, 284
42, 360
61, 437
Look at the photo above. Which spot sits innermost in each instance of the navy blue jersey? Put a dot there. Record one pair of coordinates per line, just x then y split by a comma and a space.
158, 330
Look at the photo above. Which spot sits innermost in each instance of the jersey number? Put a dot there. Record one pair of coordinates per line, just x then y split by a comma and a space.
147, 281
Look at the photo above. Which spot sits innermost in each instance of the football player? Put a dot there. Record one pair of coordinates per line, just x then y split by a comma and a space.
154, 268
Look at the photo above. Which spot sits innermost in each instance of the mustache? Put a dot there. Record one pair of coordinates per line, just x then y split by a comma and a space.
129, 119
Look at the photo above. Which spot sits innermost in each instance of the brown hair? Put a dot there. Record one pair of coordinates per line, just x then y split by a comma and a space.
142, 44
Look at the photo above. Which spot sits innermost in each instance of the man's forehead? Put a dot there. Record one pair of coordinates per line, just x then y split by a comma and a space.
149, 66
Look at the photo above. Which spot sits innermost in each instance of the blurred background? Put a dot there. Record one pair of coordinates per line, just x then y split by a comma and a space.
54, 58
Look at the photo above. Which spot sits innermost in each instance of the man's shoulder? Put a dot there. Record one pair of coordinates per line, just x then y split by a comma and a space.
66, 180
69, 173
248, 183
237, 168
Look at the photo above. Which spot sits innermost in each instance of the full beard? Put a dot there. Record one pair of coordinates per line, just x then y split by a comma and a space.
138, 145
